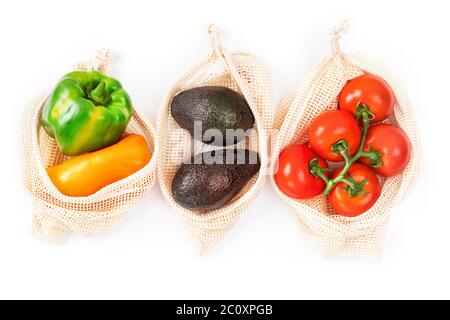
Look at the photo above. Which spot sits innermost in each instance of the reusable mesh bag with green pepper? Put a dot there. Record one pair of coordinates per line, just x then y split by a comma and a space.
55, 214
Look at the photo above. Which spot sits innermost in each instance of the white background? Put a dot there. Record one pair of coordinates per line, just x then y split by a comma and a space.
265, 255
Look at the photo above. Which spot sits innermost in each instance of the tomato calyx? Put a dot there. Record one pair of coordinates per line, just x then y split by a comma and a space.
318, 171
339, 148
354, 188
374, 156
363, 112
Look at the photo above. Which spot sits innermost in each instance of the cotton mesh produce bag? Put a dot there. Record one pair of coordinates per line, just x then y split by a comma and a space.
337, 236
240, 72
54, 214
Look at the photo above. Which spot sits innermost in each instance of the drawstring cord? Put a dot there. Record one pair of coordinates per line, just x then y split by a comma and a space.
335, 36
214, 35
103, 60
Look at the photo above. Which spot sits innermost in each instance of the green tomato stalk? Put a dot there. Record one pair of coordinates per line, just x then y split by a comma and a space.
354, 188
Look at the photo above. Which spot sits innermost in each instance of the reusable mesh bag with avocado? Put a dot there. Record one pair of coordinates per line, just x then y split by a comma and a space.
337, 236
243, 74
55, 214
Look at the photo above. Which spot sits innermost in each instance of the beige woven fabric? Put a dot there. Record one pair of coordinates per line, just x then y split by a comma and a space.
244, 74
55, 214
336, 236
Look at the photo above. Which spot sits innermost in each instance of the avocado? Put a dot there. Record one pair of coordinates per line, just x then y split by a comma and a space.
217, 108
213, 178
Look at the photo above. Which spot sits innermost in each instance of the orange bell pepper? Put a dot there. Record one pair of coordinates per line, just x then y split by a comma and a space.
85, 174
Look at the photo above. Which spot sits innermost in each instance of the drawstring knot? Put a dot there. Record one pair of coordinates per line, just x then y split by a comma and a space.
103, 60
335, 36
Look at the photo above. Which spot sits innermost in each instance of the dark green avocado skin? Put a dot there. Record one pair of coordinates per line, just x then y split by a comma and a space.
208, 182
217, 108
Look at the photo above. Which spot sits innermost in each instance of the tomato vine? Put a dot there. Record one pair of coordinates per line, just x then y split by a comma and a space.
365, 116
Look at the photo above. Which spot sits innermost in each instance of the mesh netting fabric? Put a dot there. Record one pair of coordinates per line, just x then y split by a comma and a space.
240, 72
54, 214
334, 235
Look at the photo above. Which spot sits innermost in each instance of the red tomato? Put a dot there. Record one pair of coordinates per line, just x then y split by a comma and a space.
371, 91
394, 146
351, 206
331, 127
293, 176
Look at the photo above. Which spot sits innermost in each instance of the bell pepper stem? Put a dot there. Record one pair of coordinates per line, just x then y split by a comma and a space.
99, 95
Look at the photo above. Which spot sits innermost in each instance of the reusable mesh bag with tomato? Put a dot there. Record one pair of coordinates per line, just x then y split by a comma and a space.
347, 151
88, 156
210, 180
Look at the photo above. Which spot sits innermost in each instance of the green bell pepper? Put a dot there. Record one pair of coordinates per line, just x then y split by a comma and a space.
86, 111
